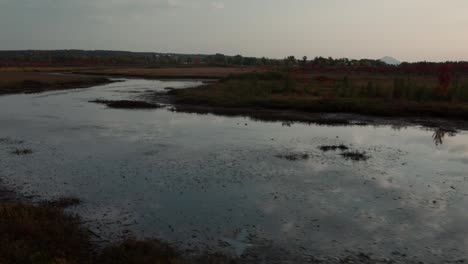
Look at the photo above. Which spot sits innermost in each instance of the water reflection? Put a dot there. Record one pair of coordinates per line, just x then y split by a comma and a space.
211, 181
440, 133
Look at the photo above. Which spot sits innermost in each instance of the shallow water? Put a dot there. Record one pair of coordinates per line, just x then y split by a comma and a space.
205, 181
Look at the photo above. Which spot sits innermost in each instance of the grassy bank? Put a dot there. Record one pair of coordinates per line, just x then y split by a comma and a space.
369, 95
12, 82
44, 234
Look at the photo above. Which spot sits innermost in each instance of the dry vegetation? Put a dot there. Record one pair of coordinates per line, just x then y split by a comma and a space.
45, 69
34, 82
44, 234
161, 73
361, 94
41, 235
39, 79
143, 72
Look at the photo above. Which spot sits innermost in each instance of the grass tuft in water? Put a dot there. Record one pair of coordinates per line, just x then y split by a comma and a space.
22, 152
355, 155
127, 104
293, 156
333, 148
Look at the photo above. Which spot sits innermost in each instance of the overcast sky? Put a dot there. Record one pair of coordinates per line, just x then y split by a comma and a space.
408, 30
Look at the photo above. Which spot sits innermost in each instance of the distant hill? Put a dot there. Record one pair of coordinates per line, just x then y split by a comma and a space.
390, 60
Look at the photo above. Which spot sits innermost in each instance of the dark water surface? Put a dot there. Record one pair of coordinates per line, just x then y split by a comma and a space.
206, 181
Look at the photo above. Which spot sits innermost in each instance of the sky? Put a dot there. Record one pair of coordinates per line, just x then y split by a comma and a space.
409, 30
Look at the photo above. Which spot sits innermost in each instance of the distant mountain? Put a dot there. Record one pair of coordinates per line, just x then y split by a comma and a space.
390, 60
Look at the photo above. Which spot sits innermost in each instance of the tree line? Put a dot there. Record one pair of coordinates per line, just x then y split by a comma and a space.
151, 59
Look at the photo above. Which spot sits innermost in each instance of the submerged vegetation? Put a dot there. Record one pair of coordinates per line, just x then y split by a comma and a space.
11, 141
293, 156
21, 152
334, 147
355, 155
362, 94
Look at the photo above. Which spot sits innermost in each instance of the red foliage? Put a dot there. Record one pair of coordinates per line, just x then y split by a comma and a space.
328, 81
445, 79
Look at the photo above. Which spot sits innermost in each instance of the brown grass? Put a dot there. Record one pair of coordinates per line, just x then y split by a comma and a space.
44, 69
157, 73
44, 234
266, 92
41, 234
32, 82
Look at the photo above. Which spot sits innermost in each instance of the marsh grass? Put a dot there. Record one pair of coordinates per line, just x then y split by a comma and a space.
45, 234
371, 95
41, 234
35, 82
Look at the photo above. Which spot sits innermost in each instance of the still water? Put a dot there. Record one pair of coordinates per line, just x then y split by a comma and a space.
213, 182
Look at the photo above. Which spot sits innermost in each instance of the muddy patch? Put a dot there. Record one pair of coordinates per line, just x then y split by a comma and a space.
127, 104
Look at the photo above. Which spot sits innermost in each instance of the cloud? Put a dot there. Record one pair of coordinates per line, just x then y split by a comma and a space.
217, 5
123, 6
136, 5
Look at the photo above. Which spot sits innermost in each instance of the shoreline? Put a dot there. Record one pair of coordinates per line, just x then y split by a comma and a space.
32, 86
319, 118
151, 77
255, 113
276, 95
